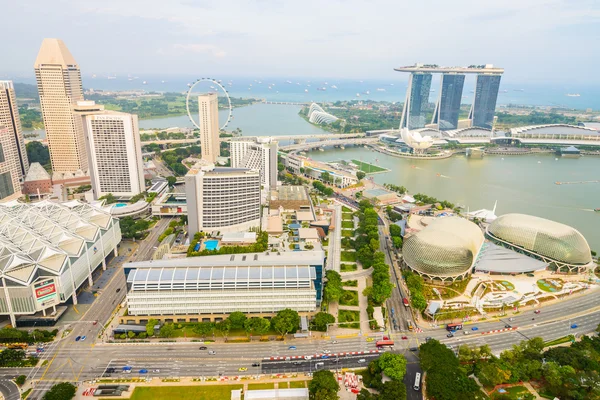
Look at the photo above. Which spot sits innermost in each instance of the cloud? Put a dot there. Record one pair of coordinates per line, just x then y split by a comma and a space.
199, 48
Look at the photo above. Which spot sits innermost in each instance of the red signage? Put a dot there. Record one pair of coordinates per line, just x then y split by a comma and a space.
45, 291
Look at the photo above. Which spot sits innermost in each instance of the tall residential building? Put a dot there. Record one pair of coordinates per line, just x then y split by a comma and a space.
447, 108
114, 150
417, 98
222, 199
259, 154
208, 110
9, 117
484, 105
59, 85
9, 181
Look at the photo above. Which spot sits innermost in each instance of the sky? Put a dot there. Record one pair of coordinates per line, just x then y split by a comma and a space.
541, 41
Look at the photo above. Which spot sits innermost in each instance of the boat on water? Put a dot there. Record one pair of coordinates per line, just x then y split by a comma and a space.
322, 89
597, 209
342, 147
380, 90
573, 95
333, 87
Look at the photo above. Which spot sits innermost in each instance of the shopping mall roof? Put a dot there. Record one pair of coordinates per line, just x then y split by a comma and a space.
45, 235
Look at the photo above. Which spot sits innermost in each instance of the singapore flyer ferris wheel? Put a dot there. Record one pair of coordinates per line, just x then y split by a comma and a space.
217, 84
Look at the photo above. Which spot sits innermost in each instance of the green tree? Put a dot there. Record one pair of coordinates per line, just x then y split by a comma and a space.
326, 177
110, 198
397, 241
224, 327
280, 167
237, 319
393, 365
167, 330
393, 390
321, 320
37, 152
360, 175
204, 328
323, 386
333, 287
61, 391
257, 326
130, 334
20, 380
286, 321
418, 301
150, 327
366, 395
171, 180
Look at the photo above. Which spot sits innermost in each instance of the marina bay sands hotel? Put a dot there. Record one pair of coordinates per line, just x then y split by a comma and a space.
447, 108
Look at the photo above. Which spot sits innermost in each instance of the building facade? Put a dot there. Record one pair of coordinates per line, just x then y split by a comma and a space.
59, 85
208, 109
222, 199
251, 283
484, 105
48, 250
9, 182
447, 109
114, 150
417, 99
9, 118
258, 154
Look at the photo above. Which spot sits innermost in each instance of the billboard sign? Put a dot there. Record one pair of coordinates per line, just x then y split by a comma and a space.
45, 292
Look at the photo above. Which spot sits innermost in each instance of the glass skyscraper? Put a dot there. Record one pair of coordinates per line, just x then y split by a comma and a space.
484, 105
417, 98
448, 105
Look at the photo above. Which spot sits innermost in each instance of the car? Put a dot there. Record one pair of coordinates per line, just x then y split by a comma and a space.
511, 319
292, 348
474, 328
287, 359
404, 337
396, 327
96, 322
574, 326
78, 338
537, 311
335, 342
507, 326
126, 371
212, 352
256, 364
324, 356
466, 332
143, 371
450, 334
428, 338
83, 338
414, 349
203, 348
326, 351
307, 357
370, 339
386, 338
156, 370
118, 290
110, 370
242, 369
297, 363
361, 361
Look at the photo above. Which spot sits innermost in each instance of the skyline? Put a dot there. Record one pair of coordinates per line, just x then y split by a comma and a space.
293, 40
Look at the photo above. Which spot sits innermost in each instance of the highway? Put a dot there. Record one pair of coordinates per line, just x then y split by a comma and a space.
147, 246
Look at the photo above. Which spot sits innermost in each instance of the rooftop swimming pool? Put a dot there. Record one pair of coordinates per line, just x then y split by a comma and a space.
211, 245
121, 204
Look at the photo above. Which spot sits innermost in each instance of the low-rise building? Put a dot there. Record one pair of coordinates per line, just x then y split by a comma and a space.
214, 286
238, 238
289, 199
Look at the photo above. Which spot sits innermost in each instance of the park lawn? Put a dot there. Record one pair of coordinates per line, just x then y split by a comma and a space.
347, 233
564, 339
348, 267
347, 216
349, 298
261, 386
348, 256
353, 283
346, 209
347, 224
368, 168
211, 392
514, 392
297, 384
349, 316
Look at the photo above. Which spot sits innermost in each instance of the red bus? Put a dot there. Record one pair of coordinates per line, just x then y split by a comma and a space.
381, 343
454, 327
405, 302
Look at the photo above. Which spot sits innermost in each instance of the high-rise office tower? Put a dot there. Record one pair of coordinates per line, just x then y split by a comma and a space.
59, 85
9, 118
484, 105
10, 188
447, 108
222, 199
259, 154
208, 110
417, 98
114, 150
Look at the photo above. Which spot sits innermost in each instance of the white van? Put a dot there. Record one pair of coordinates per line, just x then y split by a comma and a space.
362, 360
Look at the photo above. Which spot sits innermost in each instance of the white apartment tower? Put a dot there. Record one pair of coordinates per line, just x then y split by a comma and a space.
59, 85
222, 199
114, 150
208, 110
259, 154
9, 117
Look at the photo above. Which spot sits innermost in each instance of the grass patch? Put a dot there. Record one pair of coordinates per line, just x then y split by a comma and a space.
350, 283
261, 386
212, 392
514, 392
26, 393
547, 286
347, 233
368, 168
347, 216
349, 319
349, 298
346, 209
348, 256
348, 267
564, 339
347, 224
297, 384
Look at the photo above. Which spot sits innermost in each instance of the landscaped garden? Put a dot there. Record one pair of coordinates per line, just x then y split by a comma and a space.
212, 392
349, 298
348, 256
347, 224
349, 319
550, 285
353, 283
348, 267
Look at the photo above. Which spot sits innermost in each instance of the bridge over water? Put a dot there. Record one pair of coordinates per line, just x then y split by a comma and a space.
297, 138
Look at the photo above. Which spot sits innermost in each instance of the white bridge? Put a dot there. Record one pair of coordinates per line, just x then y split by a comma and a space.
340, 142
295, 138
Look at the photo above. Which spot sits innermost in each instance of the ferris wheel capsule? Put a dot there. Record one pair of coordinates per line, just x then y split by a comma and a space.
218, 84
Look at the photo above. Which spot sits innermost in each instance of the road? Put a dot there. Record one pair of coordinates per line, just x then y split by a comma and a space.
9, 389
147, 246
161, 168
333, 261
